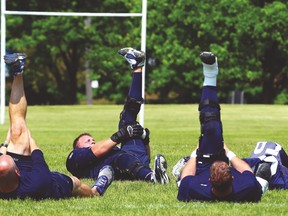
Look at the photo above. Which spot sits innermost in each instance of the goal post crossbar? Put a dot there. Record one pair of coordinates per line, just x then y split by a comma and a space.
83, 14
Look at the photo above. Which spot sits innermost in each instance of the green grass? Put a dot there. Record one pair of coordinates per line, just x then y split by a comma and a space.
175, 131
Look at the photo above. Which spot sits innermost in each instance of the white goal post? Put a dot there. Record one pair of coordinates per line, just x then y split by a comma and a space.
4, 12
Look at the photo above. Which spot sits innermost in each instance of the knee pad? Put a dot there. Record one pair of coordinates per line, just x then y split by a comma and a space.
127, 165
208, 103
211, 133
205, 116
131, 105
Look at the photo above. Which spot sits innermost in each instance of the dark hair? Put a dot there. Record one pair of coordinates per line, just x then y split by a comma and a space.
75, 142
221, 176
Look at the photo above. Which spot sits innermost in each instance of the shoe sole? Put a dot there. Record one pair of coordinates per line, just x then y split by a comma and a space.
12, 58
124, 51
208, 58
129, 50
160, 165
178, 167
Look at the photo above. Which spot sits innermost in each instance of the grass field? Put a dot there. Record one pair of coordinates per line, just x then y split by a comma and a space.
175, 131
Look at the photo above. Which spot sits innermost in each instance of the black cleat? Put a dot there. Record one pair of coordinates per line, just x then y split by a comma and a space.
15, 62
134, 57
208, 58
160, 170
264, 171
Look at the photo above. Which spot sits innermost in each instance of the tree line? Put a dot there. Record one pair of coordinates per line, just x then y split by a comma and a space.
249, 38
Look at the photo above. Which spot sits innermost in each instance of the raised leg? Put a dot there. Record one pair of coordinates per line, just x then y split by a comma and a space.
211, 143
18, 135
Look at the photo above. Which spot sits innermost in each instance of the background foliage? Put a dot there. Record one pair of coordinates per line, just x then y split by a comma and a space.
248, 36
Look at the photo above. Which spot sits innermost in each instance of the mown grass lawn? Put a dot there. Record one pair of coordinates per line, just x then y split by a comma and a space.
174, 133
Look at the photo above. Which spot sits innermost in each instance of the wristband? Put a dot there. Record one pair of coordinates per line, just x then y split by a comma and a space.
194, 154
230, 155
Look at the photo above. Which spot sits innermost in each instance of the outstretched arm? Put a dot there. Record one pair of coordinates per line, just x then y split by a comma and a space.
236, 162
33, 144
190, 167
124, 133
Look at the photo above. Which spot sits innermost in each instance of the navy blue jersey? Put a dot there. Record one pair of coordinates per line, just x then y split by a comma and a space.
198, 188
23, 162
274, 153
39, 182
82, 163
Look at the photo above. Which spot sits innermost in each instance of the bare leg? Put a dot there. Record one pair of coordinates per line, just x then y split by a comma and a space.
18, 134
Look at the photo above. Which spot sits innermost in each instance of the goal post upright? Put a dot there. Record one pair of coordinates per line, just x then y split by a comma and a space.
143, 48
2, 65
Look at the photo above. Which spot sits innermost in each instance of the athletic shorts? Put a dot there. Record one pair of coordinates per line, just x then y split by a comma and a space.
62, 185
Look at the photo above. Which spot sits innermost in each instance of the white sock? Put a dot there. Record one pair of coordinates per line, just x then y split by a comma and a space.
264, 184
210, 74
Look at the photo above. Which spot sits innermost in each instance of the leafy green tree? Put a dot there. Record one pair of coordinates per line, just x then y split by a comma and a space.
58, 48
248, 36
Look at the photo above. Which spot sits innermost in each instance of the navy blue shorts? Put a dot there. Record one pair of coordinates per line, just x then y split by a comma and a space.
62, 185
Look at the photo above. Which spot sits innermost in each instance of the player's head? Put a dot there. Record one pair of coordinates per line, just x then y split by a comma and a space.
83, 140
221, 178
9, 174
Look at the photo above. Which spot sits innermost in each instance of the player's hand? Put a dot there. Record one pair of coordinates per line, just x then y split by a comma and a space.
146, 136
126, 132
226, 148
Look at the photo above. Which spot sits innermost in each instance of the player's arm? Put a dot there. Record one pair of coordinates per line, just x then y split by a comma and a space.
33, 144
102, 147
190, 167
239, 164
124, 133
